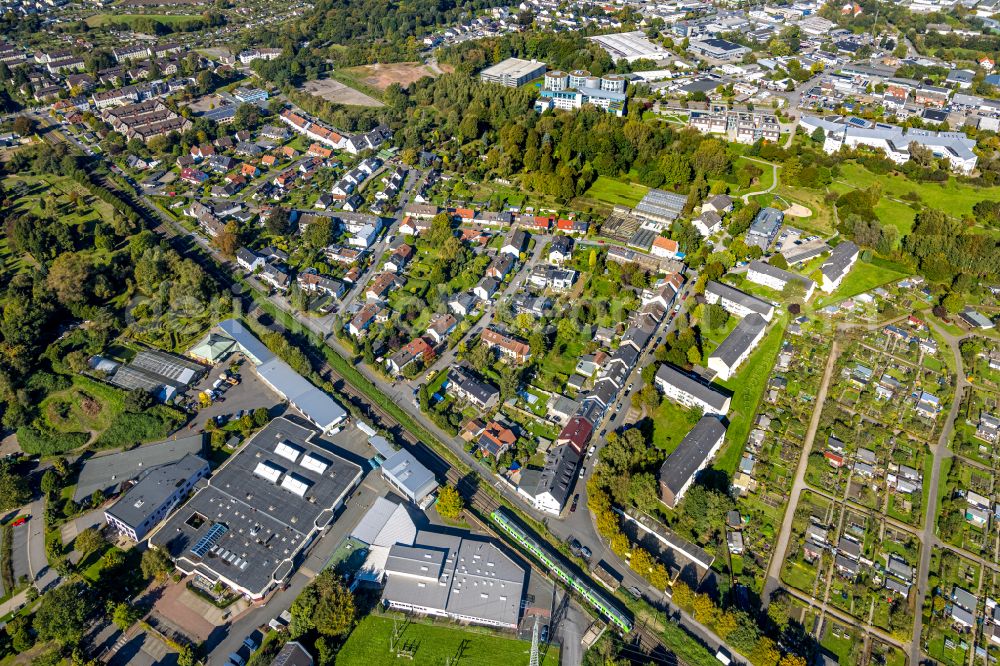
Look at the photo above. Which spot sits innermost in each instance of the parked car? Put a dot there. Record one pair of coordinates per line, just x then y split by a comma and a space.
576, 501
544, 636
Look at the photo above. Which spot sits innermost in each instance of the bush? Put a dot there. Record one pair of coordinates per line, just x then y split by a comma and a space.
6, 554
37, 442
129, 429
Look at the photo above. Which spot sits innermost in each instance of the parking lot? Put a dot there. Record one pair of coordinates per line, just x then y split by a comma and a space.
250, 394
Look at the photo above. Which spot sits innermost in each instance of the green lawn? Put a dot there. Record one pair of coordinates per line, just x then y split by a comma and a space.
433, 644
748, 388
842, 646
863, 277
764, 181
616, 192
799, 576
821, 220
671, 423
99, 20
952, 196
896, 214
85, 406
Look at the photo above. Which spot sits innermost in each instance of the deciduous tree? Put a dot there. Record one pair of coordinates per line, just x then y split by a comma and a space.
450, 503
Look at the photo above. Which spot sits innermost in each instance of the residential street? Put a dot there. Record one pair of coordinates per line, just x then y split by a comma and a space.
447, 359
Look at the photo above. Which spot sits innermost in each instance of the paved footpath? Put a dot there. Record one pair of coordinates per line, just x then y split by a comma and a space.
940, 452
778, 557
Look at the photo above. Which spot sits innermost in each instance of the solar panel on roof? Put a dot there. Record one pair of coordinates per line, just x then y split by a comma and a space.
209, 540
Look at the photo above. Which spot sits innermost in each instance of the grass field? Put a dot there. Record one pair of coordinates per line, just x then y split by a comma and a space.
953, 197
671, 423
615, 192
765, 180
87, 406
748, 387
843, 646
99, 20
863, 277
433, 644
55, 193
821, 220
799, 576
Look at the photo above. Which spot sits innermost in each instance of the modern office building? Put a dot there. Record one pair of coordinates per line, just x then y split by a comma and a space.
718, 49
567, 99
155, 494
894, 141
765, 228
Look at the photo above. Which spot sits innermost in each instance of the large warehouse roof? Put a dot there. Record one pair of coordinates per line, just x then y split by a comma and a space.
315, 405
468, 579
248, 343
248, 524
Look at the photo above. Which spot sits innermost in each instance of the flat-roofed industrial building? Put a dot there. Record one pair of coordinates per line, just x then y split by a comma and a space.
513, 72
248, 524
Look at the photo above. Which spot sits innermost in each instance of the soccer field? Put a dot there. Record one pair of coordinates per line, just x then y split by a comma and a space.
368, 645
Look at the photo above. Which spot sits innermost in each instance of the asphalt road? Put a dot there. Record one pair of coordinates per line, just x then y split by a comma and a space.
19, 552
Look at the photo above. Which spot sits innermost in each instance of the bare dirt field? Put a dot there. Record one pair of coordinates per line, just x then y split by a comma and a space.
381, 76
797, 210
335, 91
